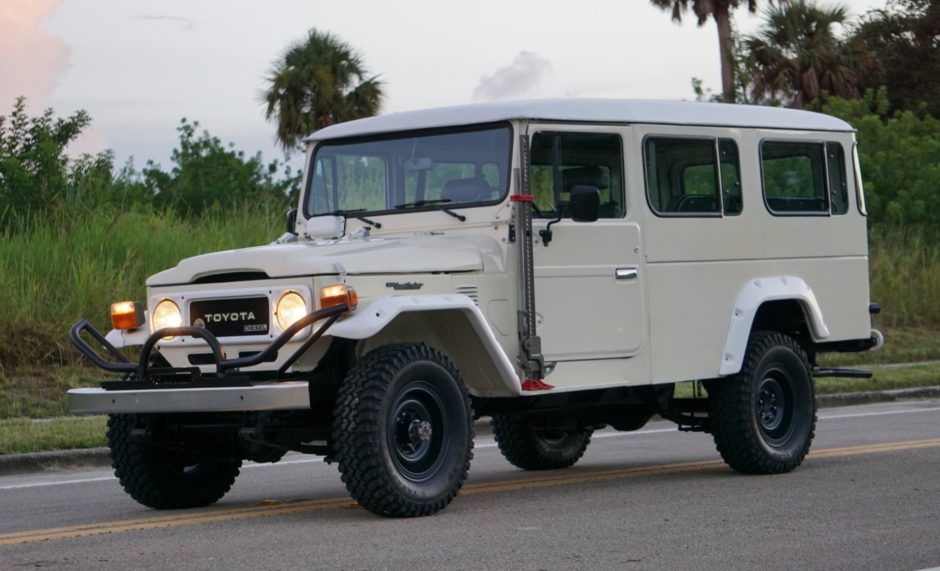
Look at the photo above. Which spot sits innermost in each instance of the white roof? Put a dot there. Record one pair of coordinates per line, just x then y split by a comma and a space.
590, 111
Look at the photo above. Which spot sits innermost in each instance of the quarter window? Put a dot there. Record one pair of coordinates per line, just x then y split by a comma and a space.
693, 177
804, 178
561, 161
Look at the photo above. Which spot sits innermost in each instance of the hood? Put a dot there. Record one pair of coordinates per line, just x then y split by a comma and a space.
422, 254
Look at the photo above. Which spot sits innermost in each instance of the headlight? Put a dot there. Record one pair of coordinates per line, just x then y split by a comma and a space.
166, 314
290, 308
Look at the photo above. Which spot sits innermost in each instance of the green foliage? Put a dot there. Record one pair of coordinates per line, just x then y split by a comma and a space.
319, 81
899, 159
40, 183
797, 55
207, 173
903, 38
34, 168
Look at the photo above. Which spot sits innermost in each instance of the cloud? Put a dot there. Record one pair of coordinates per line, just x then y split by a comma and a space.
190, 23
31, 59
523, 74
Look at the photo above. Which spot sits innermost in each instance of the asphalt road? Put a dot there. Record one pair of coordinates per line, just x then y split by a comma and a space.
868, 497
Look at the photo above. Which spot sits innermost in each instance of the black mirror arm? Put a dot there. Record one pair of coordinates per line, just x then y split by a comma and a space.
546, 234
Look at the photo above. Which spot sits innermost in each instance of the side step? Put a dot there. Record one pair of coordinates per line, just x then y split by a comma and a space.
848, 373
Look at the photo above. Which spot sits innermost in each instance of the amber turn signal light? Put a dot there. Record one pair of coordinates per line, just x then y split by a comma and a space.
127, 314
337, 294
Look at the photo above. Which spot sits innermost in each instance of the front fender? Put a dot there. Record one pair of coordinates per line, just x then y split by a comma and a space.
453, 321
749, 300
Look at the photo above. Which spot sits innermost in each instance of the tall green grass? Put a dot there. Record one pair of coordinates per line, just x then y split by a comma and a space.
60, 272
905, 278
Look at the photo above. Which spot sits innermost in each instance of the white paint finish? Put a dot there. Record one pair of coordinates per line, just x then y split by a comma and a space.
622, 111
749, 300
375, 255
371, 319
121, 338
324, 227
691, 306
585, 311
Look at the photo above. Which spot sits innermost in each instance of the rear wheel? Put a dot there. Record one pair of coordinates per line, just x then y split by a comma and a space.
402, 432
764, 418
162, 478
531, 445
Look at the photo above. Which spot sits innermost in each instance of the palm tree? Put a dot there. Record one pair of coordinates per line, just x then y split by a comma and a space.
720, 11
796, 55
318, 82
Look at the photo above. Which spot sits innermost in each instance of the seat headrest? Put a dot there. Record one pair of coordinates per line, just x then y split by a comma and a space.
587, 176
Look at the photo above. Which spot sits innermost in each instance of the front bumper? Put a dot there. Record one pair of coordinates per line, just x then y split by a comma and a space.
289, 395
147, 389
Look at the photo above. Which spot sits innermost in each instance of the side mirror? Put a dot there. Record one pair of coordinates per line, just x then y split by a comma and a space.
325, 227
292, 221
585, 203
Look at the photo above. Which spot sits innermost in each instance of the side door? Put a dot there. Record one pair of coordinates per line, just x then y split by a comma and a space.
589, 276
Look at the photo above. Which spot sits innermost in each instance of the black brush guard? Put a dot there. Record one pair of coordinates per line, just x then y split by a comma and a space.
141, 369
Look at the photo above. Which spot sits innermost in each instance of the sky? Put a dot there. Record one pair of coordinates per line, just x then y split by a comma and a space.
139, 66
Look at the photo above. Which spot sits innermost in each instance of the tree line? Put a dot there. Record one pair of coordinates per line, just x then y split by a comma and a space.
805, 49
881, 73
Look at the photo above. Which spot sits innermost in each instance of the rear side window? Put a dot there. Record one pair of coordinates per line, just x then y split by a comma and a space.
561, 161
692, 177
804, 177
838, 185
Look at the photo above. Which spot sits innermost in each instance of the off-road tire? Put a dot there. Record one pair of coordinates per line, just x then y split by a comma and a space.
403, 431
763, 419
530, 447
161, 478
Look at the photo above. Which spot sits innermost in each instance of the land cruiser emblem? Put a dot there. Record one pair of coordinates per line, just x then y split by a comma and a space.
398, 286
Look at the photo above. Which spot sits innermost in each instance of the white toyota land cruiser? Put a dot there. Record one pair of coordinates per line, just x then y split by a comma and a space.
557, 265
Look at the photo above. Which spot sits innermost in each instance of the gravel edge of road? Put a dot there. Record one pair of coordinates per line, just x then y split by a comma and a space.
63, 460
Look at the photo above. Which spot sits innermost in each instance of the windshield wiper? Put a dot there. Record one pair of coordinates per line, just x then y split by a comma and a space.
352, 214
432, 201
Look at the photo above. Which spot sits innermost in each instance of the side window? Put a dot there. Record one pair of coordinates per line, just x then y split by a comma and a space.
794, 177
692, 177
561, 161
730, 176
838, 187
859, 187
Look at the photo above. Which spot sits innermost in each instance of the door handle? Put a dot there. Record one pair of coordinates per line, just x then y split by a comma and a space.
627, 273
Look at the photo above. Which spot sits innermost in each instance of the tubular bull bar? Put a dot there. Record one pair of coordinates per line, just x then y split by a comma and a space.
220, 395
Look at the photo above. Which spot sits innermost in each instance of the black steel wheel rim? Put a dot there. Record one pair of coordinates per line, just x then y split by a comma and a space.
775, 408
184, 462
416, 432
553, 438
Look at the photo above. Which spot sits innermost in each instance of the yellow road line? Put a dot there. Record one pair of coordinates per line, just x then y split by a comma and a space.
269, 510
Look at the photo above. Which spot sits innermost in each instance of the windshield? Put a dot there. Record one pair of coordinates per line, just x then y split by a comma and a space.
400, 173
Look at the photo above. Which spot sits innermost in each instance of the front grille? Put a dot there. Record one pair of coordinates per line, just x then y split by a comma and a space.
231, 317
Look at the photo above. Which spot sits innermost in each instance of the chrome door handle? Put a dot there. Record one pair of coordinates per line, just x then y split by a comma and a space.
627, 273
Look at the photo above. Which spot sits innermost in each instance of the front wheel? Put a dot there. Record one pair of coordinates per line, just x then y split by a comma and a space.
764, 418
531, 445
402, 432
163, 478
